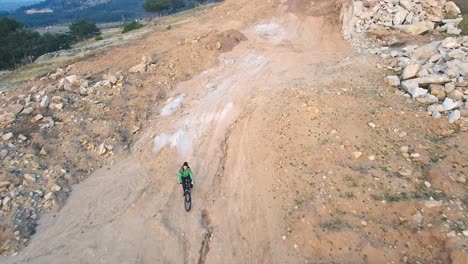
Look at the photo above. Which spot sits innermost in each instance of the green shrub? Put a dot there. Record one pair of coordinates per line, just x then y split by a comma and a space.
131, 26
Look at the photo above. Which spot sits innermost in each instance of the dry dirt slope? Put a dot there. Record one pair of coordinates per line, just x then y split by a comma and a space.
273, 134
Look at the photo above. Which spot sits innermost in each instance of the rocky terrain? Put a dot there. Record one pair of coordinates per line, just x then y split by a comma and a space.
308, 146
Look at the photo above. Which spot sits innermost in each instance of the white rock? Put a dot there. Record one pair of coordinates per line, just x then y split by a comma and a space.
450, 104
412, 87
452, 30
454, 116
436, 114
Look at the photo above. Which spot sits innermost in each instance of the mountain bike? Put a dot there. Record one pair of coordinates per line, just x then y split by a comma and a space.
187, 197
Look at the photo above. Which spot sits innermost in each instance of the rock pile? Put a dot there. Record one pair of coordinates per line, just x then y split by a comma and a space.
410, 16
51, 135
146, 64
435, 74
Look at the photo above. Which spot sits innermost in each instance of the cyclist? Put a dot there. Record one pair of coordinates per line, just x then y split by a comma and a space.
185, 176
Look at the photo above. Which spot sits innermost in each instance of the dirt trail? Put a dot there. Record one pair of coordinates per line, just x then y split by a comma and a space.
132, 212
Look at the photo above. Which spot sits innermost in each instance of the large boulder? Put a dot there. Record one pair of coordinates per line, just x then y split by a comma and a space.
413, 29
426, 52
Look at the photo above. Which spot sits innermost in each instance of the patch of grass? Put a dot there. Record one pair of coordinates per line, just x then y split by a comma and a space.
333, 225
421, 192
347, 195
463, 4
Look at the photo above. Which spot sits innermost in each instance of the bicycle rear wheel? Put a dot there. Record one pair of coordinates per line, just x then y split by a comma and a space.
188, 201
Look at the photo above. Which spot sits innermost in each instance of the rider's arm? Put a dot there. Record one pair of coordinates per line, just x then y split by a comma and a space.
191, 175
179, 177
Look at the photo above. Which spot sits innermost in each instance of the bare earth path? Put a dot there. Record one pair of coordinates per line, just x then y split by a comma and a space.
228, 126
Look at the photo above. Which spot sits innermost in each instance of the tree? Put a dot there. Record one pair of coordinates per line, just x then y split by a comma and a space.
83, 30
157, 6
20, 45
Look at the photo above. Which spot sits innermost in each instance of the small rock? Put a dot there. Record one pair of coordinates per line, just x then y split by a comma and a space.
45, 102
371, 157
417, 217
29, 177
428, 184
283, 237
356, 154
27, 110
22, 137
392, 81
49, 196
3, 154
410, 71
4, 184
415, 155
43, 152
432, 204
7, 136
405, 172
102, 149
218, 45
436, 114
56, 188
404, 149
37, 118
372, 125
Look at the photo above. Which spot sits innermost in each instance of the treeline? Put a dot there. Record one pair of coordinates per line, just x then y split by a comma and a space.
67, 11
114, 10
20, 45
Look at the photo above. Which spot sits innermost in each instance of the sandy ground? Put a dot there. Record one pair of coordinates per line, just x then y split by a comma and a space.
269, 132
